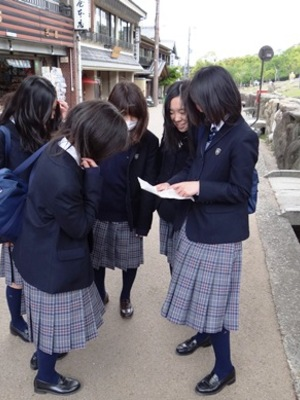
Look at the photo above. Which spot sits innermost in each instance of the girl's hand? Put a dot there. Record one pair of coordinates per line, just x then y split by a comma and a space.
88, 163
187, 189
64, 108
162, 186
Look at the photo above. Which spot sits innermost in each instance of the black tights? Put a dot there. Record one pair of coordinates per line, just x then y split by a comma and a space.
99, 277
128, 280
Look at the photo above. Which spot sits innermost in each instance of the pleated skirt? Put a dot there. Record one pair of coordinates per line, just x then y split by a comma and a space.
204, 292
62, 322
115, 246
8, 269
168, 239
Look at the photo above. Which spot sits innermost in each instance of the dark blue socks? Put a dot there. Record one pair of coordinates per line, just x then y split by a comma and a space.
221, 346
46, 363
200, 337
14, 298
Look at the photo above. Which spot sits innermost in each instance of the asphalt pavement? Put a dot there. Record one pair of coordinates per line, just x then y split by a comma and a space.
135, 359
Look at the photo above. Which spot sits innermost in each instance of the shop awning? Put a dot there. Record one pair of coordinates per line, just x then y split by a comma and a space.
90, 81
162, 70
92, 58
15, 63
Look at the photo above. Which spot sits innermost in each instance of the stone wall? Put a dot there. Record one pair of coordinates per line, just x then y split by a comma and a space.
282, 118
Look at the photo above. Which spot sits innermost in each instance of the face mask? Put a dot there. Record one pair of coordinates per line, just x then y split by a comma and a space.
131, 125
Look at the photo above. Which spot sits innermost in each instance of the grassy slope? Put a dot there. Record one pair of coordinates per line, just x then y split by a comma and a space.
285, 88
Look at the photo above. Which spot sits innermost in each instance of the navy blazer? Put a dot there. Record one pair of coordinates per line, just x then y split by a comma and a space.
170, 163
16, 155
139, 203
142, 163
52, 252
224, 170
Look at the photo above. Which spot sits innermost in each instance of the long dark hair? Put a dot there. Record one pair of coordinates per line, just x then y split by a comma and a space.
31, 108
96, 129
215, 92
171, 136
129, 100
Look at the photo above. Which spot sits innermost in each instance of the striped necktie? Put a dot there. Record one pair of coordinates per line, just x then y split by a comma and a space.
212, 133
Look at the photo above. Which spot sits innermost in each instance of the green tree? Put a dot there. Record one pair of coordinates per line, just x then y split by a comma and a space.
199, 64
174, 74
245, 70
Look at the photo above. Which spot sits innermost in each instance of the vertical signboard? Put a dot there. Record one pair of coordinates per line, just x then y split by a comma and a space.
82, 15
136, 43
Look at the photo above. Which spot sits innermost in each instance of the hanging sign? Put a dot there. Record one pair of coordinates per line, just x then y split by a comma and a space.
82, 15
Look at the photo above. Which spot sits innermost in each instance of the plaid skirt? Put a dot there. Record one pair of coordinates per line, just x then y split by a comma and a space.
205, 286
7, 266
65, 321
115, 246
9, 271
168, 239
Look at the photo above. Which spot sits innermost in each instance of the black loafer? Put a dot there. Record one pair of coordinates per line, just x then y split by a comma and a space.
24, 335
34, 361
126, 309
211, 384
190, 345
64, 386
106, 299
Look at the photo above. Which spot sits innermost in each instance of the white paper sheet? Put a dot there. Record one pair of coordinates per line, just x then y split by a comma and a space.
165, 194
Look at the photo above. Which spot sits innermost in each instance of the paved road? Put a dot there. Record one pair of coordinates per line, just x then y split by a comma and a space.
286, 186
135, 359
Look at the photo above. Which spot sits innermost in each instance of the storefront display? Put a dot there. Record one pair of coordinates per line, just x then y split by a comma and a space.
12, 73
55, 75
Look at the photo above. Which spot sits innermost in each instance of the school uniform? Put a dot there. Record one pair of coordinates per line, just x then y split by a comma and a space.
62, 302
16, 156
125, 210
171, 162
205, 284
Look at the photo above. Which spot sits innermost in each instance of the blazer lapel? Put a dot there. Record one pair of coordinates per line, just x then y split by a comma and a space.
223, 132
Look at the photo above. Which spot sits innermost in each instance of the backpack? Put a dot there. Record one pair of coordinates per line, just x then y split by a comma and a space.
13, 191
253, 196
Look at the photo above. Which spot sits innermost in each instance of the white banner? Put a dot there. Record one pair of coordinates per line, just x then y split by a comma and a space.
82, 15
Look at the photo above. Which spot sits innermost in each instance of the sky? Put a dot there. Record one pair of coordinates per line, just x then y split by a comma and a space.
225, 28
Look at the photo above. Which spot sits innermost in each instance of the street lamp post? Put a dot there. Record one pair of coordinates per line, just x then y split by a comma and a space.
266, 53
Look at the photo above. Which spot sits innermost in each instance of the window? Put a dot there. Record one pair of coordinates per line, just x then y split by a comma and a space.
105, 23
124, 31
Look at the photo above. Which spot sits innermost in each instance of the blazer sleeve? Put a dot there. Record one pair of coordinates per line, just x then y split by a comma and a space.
2, 150
183, 174
147, 200
75, 201
237, 188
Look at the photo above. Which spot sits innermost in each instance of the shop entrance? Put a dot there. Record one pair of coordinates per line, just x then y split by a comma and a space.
12, 73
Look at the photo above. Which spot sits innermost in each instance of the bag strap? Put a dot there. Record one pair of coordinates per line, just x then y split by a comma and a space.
7, 142
26, 163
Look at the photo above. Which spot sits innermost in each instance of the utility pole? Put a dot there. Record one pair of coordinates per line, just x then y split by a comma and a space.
156, 55
187, 68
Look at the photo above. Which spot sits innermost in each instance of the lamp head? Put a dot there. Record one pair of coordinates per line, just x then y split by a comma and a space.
266, 53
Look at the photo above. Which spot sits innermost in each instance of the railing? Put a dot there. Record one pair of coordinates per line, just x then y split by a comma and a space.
50, 5
107, 41
145, 60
